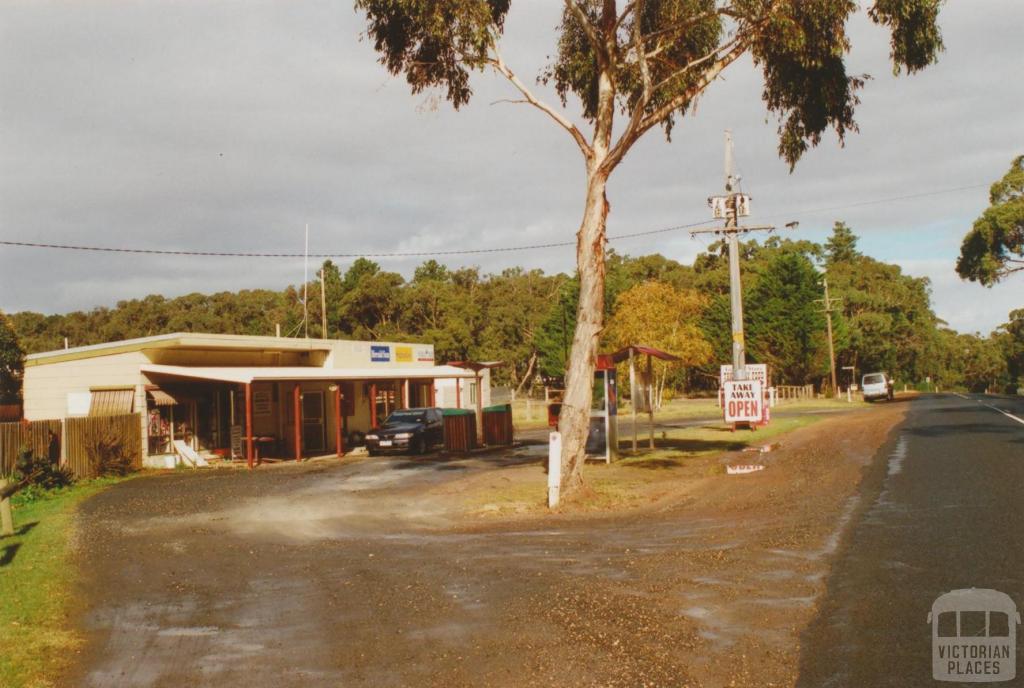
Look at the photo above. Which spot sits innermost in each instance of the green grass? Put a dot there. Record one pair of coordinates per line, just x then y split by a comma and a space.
682, 409
626, 482
673, 447
36, 585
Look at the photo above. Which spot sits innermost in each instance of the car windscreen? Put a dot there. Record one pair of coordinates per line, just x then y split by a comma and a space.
406, 417
875, 379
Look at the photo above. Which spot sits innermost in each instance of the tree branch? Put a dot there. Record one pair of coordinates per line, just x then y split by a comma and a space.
641, 55
683, 25
499, 65
588, 28
695, 63
639, 125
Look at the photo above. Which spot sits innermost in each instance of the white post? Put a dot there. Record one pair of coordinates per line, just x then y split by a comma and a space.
554, 468
849, 399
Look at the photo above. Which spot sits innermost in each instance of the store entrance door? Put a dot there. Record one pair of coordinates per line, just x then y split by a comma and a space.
313, 430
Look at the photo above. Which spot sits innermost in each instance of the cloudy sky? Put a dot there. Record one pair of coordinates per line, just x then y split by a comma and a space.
228, 126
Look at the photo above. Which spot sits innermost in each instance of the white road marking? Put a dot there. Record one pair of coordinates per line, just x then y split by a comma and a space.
1008, 415
962, 396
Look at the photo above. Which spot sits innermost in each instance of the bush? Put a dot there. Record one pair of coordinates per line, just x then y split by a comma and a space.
45, 472
108, 453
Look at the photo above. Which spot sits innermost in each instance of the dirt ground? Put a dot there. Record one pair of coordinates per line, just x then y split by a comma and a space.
397, 572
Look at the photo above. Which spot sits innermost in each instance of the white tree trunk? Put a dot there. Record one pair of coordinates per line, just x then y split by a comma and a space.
574, 420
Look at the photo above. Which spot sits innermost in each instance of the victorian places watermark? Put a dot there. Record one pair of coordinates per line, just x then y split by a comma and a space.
974, 636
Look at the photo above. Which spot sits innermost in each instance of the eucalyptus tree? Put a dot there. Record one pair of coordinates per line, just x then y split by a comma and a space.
994, 247
646, 62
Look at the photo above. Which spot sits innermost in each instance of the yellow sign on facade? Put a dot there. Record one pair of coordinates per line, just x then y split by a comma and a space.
403, 354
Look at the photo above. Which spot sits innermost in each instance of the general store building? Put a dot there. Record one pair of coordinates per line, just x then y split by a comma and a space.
245, 397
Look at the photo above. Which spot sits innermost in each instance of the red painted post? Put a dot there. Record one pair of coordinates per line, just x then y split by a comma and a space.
339, 441
373, 404
433, 393
297, 398
458, 393
249, 452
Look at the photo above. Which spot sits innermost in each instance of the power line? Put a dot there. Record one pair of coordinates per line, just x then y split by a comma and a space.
458, 252
397, 254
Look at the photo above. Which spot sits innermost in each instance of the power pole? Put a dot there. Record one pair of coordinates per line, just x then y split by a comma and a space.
323, 305
827, 306
731, 207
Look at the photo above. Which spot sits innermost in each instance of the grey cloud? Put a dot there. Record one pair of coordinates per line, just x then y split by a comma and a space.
229, 126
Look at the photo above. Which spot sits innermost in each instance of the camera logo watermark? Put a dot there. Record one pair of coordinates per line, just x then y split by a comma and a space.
974, 636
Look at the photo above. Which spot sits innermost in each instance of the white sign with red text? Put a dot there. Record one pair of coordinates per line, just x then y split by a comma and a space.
755, 371
743, 401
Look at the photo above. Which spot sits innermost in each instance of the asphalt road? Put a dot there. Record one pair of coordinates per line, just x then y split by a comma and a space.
944, 512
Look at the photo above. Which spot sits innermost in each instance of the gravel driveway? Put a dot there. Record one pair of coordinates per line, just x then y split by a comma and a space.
364, 574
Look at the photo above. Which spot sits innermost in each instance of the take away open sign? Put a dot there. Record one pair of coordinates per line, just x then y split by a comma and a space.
743, 401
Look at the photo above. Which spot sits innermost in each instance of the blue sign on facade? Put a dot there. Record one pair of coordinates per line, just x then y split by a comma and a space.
380, 354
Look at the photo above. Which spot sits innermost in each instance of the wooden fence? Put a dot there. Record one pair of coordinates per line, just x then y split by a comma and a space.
80, 436
789, 392
42, 437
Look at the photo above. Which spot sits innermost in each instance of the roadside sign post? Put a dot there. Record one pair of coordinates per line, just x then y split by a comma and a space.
554, 468
757, 373
744, 401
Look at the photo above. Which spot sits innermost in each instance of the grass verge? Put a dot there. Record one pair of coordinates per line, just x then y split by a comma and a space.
680, 455
36, 588
684, 409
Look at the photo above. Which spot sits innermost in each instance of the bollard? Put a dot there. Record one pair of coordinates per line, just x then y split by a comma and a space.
554, 468
6, 519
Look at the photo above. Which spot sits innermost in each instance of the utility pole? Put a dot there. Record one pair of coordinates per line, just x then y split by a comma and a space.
305, 288
323, 305
827, 306
731, 207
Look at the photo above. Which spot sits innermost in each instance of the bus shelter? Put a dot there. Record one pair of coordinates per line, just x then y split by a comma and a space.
642, 399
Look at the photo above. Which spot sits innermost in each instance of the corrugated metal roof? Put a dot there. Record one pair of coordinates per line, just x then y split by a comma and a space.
245, 376
192, 340
112, 402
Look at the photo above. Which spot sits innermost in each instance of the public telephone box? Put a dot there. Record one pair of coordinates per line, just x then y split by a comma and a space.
603, 438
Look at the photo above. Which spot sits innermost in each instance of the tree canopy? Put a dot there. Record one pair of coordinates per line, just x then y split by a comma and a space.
12, 361
884, 319
994, 247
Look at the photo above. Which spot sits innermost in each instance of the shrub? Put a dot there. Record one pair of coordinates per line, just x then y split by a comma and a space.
108, 453
45, 472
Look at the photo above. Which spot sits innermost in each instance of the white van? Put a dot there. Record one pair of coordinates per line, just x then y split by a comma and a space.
876, 386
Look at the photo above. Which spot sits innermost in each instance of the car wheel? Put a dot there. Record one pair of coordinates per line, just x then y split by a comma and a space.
419, 446
372, 452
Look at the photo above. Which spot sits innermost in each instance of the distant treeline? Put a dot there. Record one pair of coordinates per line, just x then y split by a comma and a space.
882, 320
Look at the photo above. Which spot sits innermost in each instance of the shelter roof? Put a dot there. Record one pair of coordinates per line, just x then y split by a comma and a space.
623, 354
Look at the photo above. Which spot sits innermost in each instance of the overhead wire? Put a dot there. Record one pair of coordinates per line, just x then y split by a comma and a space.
453, 252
